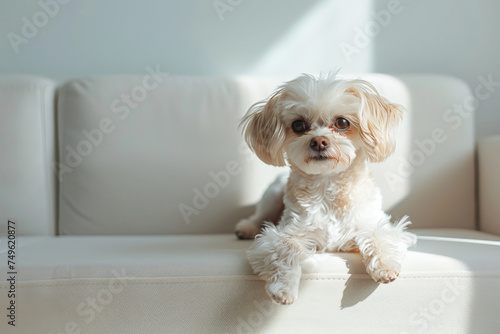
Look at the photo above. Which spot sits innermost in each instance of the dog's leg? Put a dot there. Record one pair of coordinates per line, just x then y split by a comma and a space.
270, 208
383, 246
276, 255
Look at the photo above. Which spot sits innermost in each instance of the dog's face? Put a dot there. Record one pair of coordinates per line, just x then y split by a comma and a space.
320, 125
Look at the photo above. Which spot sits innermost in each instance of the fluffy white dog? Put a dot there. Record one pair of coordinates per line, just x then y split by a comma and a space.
327, 130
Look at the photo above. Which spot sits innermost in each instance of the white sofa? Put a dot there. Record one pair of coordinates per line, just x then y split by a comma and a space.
125, 191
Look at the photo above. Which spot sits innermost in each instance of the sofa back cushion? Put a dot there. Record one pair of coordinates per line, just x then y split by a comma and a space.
27, 187
156, 154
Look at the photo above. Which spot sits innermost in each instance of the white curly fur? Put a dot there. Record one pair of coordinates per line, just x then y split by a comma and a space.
329, 202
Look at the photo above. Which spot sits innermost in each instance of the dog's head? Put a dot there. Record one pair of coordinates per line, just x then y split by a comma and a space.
321, 125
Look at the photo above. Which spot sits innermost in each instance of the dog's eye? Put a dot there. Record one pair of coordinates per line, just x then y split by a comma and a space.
299, 126
342, 124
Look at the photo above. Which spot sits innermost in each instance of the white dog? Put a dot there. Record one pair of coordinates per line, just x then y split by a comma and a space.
327, 130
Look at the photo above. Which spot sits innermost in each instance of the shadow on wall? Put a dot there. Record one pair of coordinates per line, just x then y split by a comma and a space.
190, 37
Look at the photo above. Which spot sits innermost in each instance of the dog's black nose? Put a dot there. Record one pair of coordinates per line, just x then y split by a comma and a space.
319, 143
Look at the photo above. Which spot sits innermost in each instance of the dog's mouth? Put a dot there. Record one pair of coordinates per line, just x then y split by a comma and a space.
319, 158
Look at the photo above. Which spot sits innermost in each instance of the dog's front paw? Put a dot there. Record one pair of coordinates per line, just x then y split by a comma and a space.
384, 276
282, 291
247, 228
383, 272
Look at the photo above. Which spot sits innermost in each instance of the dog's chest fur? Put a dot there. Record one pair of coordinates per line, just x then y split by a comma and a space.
335, 203
321, 197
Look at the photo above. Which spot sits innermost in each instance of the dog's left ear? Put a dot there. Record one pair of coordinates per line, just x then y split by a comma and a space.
378, 120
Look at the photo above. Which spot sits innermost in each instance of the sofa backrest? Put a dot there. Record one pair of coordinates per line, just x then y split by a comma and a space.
27, 146
157, 154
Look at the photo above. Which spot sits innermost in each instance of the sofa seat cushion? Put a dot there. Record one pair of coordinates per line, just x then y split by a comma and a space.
450, 282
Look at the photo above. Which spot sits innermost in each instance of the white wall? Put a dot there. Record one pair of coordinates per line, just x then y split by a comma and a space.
184, 37
258, 37
455, 37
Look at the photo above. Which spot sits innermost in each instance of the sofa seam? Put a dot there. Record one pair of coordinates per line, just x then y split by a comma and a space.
130, 280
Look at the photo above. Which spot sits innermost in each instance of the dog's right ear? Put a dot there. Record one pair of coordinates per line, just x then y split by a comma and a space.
264, 131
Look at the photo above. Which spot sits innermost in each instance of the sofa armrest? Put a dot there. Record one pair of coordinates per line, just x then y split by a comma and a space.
27, 150
489, 184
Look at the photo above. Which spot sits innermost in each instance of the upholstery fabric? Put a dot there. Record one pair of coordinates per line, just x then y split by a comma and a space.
179, 148
27, 153
203, 284
489, 184
171, 160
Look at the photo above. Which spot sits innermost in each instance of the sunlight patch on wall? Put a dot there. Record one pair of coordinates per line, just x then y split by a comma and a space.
332, 34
